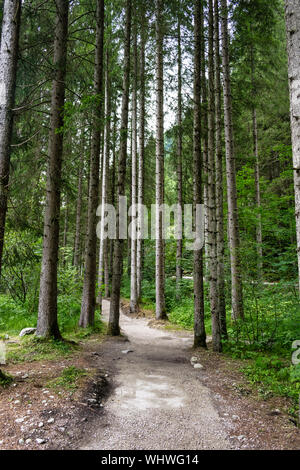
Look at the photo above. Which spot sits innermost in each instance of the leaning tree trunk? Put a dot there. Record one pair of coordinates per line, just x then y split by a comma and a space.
292, 15
88, 302
159, 265
133, 271
233, 227
47, 325
114, 313
8, 69
179, 157
199, 326
219, 179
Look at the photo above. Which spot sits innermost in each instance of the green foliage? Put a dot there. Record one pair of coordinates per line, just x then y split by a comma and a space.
5, 379
68, 379
35, 349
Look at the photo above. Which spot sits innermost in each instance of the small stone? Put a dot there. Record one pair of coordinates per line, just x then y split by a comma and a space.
27, 331
126, 351
16, 402
50, 420
198, 366
92, 400
19, 420
194, 360
25, 376
28, 441
41, 425
241, 438
275, 412
1, 442
21, 441
61, 429
40, 441
235, 418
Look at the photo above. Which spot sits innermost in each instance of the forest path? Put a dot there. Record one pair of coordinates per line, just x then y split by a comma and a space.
158, 401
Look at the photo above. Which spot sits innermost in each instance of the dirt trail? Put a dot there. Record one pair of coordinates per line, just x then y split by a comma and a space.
159, 401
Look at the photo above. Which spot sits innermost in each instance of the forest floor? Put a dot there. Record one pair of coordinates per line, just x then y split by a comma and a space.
140, 391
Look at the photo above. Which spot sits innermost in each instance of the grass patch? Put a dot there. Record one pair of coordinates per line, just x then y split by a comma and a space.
35, 349
5, 379
68, 379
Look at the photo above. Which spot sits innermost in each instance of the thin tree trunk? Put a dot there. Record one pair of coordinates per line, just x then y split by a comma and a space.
199, 326
204, 135
113, 191
66, 228
133, 273
78, 208
114, 313
292, 17
103, 245
8, 69
219, 180
179, 155
47, 325
212, 226
141, 157
233, 227
159, 267
88, 302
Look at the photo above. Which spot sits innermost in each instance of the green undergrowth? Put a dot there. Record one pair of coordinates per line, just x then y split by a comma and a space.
15, 316
68, 379
5, 379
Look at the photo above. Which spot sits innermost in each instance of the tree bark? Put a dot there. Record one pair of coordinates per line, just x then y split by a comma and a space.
114, 313
78, 208
212, 226
292, 16
103, 244
233, 227
133, 271
219, 179
141, 156
47, 325
179, 155
8, 69
199, 326
159, 248
88, 302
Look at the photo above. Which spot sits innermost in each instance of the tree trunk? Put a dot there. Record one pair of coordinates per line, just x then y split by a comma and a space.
212, 226
89, 285
199, 326
114, 314
103, 245
47, 325
133, 272
219, 180
78, 209
292, 15
8, 69
179, 155
141, 157
159, 265
233, 228
204, 135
